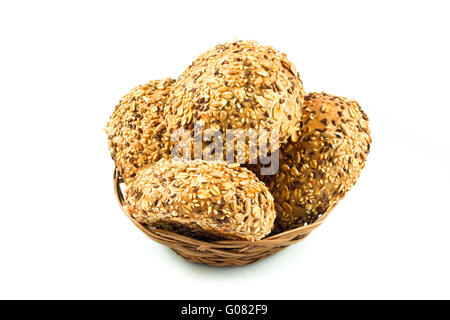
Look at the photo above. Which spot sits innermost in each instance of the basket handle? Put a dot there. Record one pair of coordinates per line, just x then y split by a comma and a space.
118, 191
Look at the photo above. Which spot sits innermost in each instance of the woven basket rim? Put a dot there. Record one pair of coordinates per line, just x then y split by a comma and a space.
270, 241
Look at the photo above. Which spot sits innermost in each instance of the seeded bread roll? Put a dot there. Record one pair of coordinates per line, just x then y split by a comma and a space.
213, 200
238, 85
137, 133
320, 166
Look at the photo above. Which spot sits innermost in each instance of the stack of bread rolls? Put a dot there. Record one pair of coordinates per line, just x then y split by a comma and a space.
322, 142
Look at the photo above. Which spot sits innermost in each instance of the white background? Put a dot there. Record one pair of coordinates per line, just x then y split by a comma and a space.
64, 66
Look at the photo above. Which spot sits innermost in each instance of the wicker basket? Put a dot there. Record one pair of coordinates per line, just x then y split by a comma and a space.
220, 253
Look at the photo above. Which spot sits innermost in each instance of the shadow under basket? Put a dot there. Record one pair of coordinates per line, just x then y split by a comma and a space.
220, 253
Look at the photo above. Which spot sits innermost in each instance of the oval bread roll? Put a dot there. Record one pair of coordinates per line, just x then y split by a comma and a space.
136, 131
238, 85
320, 164
212, 200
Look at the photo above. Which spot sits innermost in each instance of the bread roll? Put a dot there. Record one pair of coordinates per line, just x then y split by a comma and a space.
212, 200
238, 85
320, 164
137, 133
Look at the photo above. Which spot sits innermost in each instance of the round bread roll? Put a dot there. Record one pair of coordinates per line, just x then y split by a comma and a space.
212, 200
239, 85
137, 133
322, 163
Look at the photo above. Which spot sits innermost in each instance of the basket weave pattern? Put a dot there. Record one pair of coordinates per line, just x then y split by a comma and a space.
219, 253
